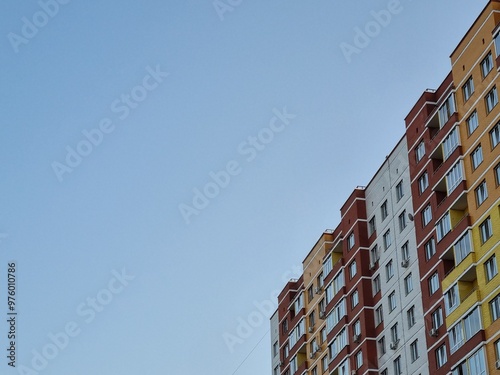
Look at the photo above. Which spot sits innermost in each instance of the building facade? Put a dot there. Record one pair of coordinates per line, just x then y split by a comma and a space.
407, 283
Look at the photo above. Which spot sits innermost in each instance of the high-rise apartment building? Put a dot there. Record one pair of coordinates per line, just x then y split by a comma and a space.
407, 283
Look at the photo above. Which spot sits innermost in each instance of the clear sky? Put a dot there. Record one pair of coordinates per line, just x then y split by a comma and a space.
166, 165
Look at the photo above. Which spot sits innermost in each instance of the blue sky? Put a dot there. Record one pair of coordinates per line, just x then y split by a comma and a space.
172, 92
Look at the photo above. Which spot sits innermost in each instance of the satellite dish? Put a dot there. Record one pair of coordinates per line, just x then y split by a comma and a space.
410, 216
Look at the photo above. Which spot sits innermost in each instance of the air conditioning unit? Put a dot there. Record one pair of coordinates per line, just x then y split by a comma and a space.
280, 364
405, 263
372, 266
322, 315
318, 349
311, 329
318, 289
312, 355
394, 345
433, 332
356, 338
354, 372
497, 364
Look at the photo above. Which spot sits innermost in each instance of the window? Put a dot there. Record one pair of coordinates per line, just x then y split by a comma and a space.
381, 346
371, 226
324, 363
490, 266
397, 365
443, 226
394, 333
294, 365
486, 65
350, 241
338, 343
298, 304
338, 282
474, 365
433, 283
451, 299
462, 248
450, 143
286, 351
420, 151
481, 193
399, 191
323, 335
387, 239
352, 269
423, 182
319, 280
430, 248
322, 305
384, 372
284, 326
454, 177
310, 293
329, 293
410, 315
441, 356
472, 122
379, 315
491, 99
485, 230
392, 301
276, 371
402, 221
313, 346
495, 308
376, 285
374, 254
338, 312
359, 359
405, 252
497, 349
437, 318
426, 215
354, 299
314, 371
312, 319
296, 333
327, 266
414, 350
476, 157
356, 328
275, 349
389, 270
464, 330
446, 110
408, 284
496, 39
468, 89
383, 210
495, 135
497, 174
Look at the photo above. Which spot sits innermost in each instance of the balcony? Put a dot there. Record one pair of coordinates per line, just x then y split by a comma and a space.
466, 302
467, 264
